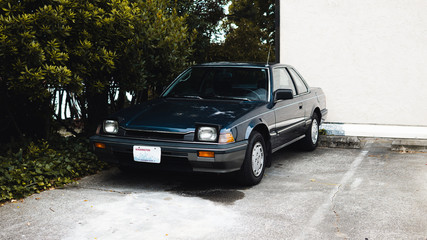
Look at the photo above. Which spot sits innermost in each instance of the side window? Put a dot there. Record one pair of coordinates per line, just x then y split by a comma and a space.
282, 80
301, 87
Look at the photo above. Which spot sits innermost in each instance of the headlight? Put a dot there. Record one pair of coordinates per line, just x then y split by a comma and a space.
111, 126
208, 134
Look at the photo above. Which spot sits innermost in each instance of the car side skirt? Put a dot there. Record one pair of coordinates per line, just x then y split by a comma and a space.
288, 143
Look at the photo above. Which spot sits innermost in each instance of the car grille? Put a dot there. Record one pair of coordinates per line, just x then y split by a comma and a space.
159, 135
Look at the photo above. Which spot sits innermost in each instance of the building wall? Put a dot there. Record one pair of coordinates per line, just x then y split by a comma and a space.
369, 56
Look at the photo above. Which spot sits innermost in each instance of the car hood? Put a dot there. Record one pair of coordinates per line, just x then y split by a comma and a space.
181, 115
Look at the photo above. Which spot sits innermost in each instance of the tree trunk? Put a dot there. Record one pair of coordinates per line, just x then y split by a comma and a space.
121, 100
97, 110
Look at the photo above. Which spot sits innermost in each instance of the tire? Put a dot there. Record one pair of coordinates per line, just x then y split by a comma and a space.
311, 140
253, 167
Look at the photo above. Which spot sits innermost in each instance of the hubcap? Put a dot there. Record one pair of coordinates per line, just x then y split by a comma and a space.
257, 159
314, 131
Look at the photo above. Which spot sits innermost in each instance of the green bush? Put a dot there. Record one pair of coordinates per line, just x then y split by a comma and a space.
45, 165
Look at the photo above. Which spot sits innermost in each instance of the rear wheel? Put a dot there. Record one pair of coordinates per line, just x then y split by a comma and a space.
311, 139
254, 164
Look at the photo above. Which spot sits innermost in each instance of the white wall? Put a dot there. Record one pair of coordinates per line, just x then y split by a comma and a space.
369, 56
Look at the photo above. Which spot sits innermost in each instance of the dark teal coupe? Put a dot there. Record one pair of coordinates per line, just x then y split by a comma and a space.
216, 117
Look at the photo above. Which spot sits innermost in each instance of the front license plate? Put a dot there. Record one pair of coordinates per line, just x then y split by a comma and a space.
146, 154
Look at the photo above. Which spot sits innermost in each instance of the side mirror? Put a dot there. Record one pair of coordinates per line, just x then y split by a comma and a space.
283, 94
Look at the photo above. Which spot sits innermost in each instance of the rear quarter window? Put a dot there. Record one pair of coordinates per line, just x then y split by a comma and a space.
300, 85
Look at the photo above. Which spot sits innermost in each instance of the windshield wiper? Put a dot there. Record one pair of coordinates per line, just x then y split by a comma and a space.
186, 96
192, 96
232, 98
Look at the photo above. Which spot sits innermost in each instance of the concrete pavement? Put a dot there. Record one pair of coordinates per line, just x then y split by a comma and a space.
331, 193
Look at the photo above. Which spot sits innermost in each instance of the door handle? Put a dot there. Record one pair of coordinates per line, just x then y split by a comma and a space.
300, 106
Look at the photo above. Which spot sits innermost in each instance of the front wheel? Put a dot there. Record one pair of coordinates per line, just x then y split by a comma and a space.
253, 166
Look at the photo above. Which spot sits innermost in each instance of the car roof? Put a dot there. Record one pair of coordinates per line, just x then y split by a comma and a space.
240, 64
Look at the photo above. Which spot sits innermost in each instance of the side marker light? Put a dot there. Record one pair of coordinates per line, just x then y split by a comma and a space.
206, 154
100, 145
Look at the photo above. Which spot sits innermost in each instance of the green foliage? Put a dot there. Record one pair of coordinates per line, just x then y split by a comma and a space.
86, 48
45, 165
168, 48
87, 43
204, 17
323, 132
250, 29
33, 49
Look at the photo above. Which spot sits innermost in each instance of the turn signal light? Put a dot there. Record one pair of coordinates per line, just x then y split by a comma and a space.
100, 145
206, 154
226, 138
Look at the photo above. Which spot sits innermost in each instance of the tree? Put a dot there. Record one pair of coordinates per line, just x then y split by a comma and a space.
204, 16
86, 48
250, 28
130, 46
33, 54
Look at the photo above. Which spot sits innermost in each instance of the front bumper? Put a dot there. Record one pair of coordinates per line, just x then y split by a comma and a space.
176, 156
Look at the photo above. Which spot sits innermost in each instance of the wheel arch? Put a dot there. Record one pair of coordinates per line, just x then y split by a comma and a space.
318, 112
261, 126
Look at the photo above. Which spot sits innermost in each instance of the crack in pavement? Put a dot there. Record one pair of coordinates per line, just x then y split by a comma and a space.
337, 216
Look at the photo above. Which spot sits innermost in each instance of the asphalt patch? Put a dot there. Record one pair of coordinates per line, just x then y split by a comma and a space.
214, 195
219, 188
214, 188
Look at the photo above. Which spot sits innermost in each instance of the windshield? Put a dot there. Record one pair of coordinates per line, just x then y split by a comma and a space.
248, 84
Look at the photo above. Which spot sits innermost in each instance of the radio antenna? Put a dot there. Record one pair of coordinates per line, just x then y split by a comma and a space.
268, 57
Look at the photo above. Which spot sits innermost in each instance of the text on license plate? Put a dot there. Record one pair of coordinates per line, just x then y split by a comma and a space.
146, 154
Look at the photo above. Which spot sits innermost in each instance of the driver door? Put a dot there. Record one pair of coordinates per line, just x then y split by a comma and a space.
289, 113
